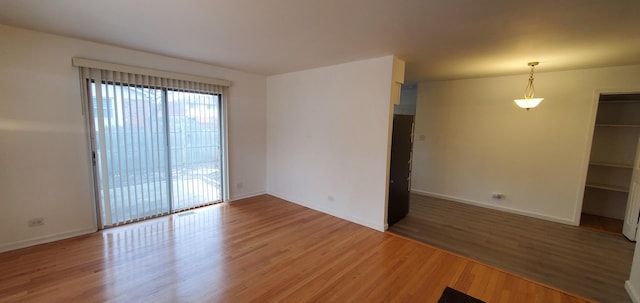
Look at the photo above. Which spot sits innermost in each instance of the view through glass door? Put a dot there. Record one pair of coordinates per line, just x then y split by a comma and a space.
156, 151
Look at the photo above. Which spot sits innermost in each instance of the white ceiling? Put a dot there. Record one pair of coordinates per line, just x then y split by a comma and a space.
439, 39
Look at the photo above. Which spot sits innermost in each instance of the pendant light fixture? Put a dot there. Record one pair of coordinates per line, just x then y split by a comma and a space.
529, 101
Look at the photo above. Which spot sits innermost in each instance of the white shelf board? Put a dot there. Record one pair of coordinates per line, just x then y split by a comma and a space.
618, 125
608, 187
618, 101
617, 165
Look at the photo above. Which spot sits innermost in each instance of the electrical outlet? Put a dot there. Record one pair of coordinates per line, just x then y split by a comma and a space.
498, 196
35, 222
239, 185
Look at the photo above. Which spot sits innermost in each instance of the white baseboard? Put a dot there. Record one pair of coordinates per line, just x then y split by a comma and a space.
356, 220
495, 207
248, 195
632, 291
45, 239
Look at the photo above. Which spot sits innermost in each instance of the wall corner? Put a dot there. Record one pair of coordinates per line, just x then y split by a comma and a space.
397, 79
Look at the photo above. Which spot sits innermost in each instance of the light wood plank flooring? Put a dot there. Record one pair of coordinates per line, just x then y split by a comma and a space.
590, 263
258, 249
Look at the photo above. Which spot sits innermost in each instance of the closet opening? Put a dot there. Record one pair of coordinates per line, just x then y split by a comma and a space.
611, 200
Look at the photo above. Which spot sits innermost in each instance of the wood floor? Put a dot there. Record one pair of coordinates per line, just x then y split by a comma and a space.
258, 249
601, 223
590, 263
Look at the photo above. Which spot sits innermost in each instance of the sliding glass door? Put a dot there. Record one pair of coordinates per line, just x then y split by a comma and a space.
195, 148
155, 150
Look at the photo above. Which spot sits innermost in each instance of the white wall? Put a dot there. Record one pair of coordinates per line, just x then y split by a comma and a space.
328, 138
44, 165
633, 284
472, 140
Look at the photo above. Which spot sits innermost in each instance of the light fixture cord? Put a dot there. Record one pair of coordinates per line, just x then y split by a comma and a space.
529, 90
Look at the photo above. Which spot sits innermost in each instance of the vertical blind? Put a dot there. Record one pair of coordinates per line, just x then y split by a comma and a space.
156, 141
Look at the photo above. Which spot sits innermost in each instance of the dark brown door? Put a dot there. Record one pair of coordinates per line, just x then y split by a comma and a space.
400, 171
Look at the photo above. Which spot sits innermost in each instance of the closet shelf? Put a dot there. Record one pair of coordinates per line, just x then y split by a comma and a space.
608, 187
618, 125
618, 101
617, 165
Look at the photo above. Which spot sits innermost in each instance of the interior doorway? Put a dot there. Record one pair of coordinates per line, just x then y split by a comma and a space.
610, 201
401, 154
400, 168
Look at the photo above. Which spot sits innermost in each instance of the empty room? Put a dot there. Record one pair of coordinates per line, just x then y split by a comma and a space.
319, 151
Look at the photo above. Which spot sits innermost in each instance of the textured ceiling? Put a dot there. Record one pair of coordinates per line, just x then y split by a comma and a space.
439, 39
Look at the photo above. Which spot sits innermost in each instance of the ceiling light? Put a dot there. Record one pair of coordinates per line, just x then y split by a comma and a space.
529, 101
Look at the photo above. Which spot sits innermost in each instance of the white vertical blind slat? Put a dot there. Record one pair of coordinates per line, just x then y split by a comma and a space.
145, 172
190, 130
177, 136
137, 171
103, 169
114, 147
124, 171
155, 153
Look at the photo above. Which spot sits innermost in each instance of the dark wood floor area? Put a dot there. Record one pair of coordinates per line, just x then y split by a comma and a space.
260, 249
590, 263
601, 223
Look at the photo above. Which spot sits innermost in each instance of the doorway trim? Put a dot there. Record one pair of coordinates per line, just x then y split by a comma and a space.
587, 154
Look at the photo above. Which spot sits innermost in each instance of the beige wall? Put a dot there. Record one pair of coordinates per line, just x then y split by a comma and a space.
328, 137
471, 140
44, 165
